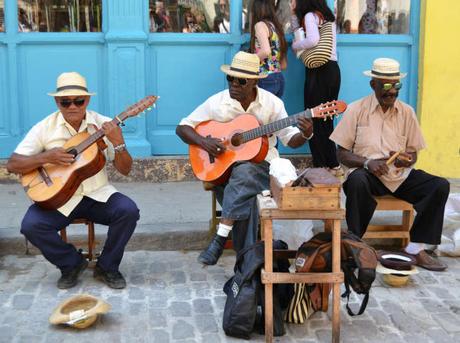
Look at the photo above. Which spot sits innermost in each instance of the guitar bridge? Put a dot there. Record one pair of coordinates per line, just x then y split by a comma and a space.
45, 176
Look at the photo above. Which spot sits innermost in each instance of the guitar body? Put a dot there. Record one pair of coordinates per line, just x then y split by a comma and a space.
217, 170
63, 180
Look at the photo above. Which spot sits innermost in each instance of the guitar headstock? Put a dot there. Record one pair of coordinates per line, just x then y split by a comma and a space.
329, 109
141, 106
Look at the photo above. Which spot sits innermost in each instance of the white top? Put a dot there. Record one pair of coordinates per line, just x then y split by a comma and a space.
311, 23
53, 132
266, 107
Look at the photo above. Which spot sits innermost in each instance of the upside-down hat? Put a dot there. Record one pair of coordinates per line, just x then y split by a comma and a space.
71, 84
385, 68
244, 65
80, 311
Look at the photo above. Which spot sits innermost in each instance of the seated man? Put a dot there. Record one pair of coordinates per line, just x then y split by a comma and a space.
372, 130
95, 199
247, 179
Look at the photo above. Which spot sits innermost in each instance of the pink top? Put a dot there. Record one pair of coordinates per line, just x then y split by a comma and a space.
312, 21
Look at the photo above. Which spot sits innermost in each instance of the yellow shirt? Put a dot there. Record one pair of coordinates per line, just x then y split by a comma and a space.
53, 132
266, 107
368, 132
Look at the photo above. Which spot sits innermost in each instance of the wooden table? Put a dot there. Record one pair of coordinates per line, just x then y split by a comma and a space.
268, 211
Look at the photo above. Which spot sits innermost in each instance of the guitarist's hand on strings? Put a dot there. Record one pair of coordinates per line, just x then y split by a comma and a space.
113, 133
305, 126
58, 156
212, 145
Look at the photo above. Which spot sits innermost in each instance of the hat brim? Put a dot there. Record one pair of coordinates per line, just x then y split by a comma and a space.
383, 270
71, 92
371, 74
57, 317
226, 69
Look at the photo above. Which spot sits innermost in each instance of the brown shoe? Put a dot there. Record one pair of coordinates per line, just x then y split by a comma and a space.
428, 262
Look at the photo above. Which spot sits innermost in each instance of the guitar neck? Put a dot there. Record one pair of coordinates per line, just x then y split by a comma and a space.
99, 134
268, 129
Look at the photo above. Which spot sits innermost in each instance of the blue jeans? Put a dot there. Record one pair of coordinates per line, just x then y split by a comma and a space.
238, 200
120, 213
274, 83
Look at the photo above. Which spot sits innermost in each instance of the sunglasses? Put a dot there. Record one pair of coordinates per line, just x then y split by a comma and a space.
387, 86
79, 102
242, 82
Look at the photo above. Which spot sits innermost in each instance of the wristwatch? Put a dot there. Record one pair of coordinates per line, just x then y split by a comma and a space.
366, 164
120, 147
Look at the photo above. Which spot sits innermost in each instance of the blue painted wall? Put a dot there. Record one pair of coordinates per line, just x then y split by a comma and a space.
125, 62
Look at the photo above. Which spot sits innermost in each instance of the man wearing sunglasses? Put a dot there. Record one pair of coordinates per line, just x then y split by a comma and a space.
379, 138
95, 199
238, 195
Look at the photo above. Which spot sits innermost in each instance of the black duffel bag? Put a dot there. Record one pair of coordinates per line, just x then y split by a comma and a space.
245, 292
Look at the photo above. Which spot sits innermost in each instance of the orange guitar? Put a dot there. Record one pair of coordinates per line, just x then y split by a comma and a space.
52, 185
245, 140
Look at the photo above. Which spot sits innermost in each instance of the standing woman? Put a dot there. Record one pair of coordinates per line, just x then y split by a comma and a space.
321, 84
268, 42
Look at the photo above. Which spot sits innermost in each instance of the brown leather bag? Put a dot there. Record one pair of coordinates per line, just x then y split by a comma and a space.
316, 256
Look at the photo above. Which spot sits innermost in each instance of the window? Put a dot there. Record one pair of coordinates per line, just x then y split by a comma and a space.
2, 17
283, 12
189, 16
373, 16
60, 16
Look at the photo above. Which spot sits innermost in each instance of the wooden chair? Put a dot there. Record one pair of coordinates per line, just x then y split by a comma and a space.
90, 255
390, 203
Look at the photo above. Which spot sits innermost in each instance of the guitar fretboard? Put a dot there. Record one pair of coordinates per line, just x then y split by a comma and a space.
273, 127
95, 136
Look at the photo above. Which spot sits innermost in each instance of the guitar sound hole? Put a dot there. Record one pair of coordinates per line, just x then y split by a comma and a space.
237, 139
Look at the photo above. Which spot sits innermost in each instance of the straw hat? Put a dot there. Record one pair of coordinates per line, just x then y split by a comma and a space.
244, 65
69, 84
384, 270
80, 311
385, 68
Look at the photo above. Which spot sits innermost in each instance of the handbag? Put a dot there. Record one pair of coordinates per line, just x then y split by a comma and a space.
320, 54
300, 308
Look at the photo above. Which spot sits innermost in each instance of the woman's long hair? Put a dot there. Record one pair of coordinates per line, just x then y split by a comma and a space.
264, 10
305, 6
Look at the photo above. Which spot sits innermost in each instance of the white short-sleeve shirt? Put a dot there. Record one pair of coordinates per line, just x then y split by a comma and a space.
267, 108
53, 132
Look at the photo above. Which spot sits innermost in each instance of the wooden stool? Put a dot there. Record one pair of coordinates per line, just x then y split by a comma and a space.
91, 241
268, 210
390, 203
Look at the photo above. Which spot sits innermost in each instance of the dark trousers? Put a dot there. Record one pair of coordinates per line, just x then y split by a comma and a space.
321, 85
120, 213
239, 202
427, 193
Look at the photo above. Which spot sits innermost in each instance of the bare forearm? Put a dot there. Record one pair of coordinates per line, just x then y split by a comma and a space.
296, 141
188, 135
21, 164
350, 159
123, 162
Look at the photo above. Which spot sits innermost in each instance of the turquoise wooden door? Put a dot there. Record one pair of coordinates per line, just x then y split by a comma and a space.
124, 62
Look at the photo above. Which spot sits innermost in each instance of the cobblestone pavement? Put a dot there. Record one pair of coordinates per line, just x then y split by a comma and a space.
170, 298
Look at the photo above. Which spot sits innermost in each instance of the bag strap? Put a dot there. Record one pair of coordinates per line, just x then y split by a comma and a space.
350, 276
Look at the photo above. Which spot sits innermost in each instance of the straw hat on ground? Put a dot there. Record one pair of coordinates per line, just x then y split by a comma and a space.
80, 311
244, 65
394, 277
385, 68
71, 84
